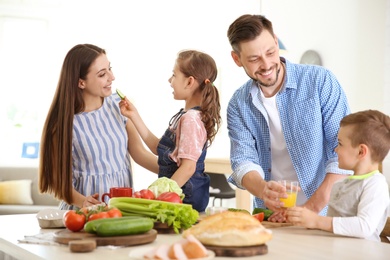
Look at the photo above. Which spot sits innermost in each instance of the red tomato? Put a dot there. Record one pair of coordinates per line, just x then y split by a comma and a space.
259, 216
103, 214
74, 220
137, 194
169, 197
114, 213
147, 194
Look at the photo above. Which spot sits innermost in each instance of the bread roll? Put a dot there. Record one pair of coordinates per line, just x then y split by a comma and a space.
230, 229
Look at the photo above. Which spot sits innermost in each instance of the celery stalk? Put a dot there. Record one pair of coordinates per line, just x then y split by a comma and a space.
179, 216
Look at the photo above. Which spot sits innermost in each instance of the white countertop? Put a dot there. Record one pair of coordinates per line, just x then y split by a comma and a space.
287, 243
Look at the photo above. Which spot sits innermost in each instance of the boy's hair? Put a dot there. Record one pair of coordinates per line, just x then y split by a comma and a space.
372, 128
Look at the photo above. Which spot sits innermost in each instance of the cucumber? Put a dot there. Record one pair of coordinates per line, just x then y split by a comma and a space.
120, 94
91, 226
238, 210
119, 227
267, 212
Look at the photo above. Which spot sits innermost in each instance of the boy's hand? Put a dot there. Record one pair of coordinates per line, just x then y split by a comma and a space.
300, 216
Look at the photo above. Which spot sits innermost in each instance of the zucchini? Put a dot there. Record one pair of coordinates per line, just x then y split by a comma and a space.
118, 227
92, 225
267, 212
120, 94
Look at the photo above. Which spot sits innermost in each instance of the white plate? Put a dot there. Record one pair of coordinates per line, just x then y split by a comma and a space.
138, 254
51, 218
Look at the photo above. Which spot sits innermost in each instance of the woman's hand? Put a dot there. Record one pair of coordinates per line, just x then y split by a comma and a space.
91, 200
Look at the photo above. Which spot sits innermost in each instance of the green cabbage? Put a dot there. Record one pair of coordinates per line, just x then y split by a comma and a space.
165, 184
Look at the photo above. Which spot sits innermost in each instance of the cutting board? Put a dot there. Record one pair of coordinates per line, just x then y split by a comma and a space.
268, 224
239, 251
163, 228
64, 236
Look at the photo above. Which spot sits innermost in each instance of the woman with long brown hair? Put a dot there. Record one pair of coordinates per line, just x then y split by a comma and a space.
86, 143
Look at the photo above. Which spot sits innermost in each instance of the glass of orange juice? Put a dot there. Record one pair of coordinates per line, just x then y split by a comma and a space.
292, 192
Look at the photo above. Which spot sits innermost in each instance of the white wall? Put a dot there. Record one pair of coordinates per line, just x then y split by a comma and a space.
348, 34
353, 39
386, 163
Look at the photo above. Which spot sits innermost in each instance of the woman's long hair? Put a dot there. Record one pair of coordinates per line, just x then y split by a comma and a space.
203, 68
55, 160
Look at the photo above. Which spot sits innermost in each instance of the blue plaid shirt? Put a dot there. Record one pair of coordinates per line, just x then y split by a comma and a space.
311, 104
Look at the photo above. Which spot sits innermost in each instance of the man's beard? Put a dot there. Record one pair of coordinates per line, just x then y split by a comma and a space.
268, 84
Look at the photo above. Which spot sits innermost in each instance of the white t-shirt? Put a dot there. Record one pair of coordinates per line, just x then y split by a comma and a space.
359, 206
282, 167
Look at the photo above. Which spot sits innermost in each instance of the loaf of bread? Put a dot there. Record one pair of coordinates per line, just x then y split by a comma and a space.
230, 229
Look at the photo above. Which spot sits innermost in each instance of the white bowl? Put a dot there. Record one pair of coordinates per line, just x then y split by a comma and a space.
51, 218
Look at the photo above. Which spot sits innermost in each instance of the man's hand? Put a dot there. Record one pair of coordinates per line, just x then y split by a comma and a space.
278, 216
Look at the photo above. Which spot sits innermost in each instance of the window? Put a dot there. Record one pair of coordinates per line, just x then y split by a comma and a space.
22, 106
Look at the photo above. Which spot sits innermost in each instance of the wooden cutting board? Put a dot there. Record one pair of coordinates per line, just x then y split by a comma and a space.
64, 236
268, 224
239, 251
163, 228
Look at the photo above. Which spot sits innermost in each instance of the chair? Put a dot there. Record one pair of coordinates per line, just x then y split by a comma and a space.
219, 181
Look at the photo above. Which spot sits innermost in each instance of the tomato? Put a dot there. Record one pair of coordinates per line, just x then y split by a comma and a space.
259, 216
74, 220
114, 213
137, 194
98, 215
147, 194
169, 196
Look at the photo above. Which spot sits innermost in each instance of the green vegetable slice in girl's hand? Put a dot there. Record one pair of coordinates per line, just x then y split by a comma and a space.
120, 94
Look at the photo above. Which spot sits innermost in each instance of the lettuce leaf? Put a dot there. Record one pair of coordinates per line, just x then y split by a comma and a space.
165, 184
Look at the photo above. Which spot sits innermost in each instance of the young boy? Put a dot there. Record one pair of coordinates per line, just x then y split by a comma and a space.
359, 204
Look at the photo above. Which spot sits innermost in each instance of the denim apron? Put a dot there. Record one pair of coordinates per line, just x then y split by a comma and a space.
196, 189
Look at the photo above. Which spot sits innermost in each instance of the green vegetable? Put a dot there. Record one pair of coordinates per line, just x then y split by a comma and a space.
92, 225
120, 94
178, 216
267, 212
118, 227
165, 184
238, 210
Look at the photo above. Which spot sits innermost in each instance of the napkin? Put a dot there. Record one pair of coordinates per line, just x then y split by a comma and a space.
41, 238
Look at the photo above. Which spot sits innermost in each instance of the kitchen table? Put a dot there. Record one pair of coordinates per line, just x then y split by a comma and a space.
287, 243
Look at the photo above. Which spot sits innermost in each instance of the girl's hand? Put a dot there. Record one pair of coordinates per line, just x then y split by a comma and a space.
127, 108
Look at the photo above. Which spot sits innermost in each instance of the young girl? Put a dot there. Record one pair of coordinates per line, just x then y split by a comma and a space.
182, 149
358, 205
86, 141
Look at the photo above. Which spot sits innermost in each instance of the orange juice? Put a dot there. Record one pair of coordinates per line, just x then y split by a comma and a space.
290, 200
